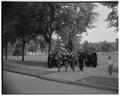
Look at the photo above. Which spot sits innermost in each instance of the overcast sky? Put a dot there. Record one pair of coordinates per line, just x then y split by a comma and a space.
101, 33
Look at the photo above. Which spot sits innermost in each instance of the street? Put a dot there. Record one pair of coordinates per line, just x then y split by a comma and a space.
22, 84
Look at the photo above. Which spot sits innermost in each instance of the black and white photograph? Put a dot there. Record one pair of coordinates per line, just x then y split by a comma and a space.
59, 47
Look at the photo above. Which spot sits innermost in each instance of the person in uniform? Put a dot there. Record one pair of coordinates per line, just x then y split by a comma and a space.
53, 59
81, 60
85, 59
65, 61
94, 59
58, 61
71, 61
90, 60
76, 60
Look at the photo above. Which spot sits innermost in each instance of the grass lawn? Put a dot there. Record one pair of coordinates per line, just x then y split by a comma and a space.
42, 60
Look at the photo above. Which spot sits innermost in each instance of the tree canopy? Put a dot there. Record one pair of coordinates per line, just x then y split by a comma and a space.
29, 19
74, 19
112, 18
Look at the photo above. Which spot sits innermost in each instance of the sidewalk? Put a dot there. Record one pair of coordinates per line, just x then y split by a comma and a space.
76, 78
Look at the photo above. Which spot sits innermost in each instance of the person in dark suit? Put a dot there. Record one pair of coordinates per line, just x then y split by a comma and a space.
76, 59
86, 59
81, 60
53, 59
70, 57
90, 60
94, 59
58, 59
65, 61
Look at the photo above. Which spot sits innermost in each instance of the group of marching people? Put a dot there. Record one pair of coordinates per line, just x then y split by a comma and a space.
86, 59
79, 59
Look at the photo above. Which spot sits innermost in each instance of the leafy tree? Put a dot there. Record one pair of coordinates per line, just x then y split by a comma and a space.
90, 48
73, 19
41, 43
32, 46
84, 47
7, 23
67, 19
45, 17
17, 50
25, 24
112, 18
102, 46
76, 42
57, 45
7, 37
106, 47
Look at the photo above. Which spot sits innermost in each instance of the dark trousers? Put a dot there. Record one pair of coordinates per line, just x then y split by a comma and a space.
81, 64
72, 66
94, 63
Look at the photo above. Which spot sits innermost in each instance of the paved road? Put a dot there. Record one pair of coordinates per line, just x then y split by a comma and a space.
17, 83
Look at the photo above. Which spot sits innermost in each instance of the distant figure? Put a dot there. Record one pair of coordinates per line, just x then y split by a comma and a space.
58, 61
110, 65
94, 59
88, 60
76, 59
51, 60
65, 61
71, 61
81, 60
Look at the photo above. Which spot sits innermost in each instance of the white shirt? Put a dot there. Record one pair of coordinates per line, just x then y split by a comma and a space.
110, 62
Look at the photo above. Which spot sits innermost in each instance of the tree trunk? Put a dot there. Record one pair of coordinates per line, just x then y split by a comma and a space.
49, 44
6, 49
23, 48
70, 43
49, 49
